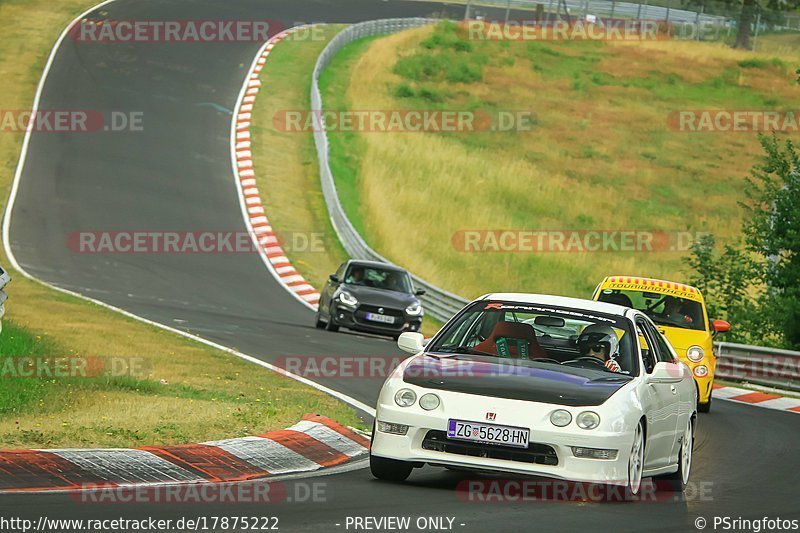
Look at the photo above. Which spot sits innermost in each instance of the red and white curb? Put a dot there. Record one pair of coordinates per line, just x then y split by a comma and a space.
757, 398
313, 443
252, 207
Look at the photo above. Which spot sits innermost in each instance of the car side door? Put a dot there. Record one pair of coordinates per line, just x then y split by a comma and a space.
658, 401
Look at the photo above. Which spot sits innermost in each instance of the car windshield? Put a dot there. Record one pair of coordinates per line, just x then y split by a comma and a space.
663, 309
541, 333
378, 278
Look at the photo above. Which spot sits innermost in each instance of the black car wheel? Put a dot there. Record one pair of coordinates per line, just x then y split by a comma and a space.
331, 326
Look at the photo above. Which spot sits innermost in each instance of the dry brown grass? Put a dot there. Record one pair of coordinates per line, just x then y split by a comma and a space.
601, 157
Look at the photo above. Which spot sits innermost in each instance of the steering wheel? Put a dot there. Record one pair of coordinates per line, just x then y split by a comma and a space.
593, 360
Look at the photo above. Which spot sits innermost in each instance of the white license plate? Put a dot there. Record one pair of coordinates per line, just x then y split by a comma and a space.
488, 433
380, 318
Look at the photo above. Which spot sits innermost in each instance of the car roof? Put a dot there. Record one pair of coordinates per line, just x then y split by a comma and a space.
378, 264
561, 301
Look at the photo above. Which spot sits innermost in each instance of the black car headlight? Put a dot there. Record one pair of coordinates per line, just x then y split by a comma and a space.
414, 309
348, 299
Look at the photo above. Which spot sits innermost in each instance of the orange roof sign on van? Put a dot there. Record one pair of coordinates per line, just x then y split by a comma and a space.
626, 283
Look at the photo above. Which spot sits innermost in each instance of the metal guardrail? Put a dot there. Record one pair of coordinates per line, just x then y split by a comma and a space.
437, 302
608, 8
770, 367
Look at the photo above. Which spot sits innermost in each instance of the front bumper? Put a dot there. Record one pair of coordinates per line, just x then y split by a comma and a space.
353, 318
543, 437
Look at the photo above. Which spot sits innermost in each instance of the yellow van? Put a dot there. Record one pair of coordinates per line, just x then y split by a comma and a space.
680, 313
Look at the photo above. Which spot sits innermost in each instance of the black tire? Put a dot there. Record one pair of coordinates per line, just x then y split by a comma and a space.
330, 326
678, 481
389, 469
319, 324
704, 407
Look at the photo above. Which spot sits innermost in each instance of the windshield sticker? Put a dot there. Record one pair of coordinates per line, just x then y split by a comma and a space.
496, 306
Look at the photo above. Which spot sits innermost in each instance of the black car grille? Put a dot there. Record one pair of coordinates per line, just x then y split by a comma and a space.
540, 454
399, 317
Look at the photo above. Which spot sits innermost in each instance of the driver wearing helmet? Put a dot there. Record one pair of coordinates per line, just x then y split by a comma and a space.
600, 341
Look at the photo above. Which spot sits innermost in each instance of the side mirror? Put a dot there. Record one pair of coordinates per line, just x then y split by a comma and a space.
334, 278
420, 292
666, 373
411, 342
720, 326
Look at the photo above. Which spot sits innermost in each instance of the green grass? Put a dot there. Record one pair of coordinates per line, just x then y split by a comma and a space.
347, 145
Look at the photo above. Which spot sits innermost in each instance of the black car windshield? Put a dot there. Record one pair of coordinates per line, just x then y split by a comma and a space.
547, 334
663, 309
378, 278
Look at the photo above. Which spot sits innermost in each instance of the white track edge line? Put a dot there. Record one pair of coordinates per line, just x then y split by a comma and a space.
12, 259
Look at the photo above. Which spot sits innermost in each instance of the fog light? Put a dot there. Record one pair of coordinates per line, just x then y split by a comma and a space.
588, 420
429, 402
405, 397
700, 371
594, 453
394, 429
695, 354
560, 418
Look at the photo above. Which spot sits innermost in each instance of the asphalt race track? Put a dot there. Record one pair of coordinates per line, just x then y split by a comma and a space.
176, 175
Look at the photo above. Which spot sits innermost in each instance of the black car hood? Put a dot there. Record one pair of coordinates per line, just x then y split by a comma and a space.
514, 379
380, 297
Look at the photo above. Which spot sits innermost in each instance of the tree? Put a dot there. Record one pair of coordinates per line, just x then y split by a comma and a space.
755, 285
773, 230
747, 14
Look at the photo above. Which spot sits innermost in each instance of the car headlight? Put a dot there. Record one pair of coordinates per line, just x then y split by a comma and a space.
405, 397
348, 299
560, 418
695, 354
414, 309
588, 420
429, 402
700, 371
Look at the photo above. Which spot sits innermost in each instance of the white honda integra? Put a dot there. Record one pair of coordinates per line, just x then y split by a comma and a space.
551, 386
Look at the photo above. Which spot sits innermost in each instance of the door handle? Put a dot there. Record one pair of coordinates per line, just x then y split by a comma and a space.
673, 389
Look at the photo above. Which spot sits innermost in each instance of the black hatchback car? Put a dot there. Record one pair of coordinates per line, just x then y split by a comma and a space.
372, 297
